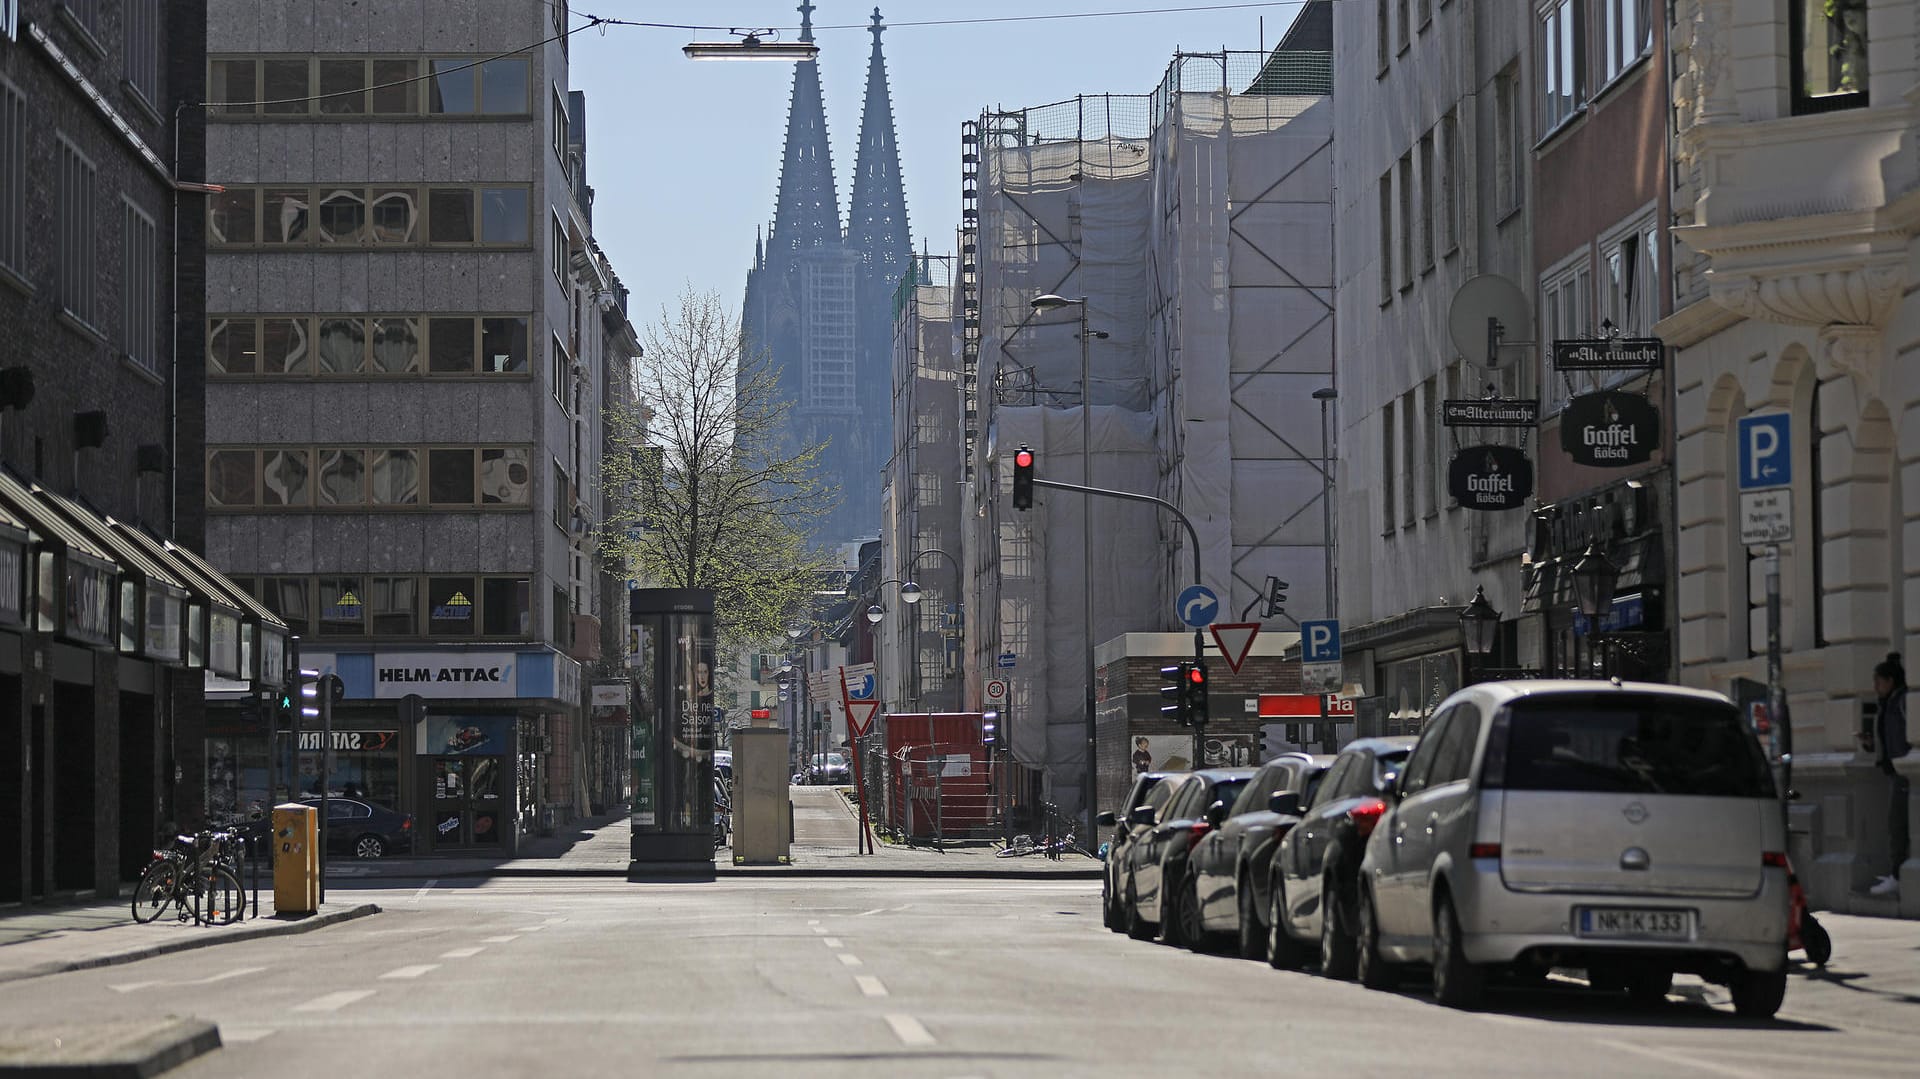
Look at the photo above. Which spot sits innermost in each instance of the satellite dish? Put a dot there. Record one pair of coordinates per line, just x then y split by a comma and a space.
1489, 312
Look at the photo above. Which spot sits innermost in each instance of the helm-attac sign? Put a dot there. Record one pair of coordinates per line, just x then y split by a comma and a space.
1490, 477
1610, 429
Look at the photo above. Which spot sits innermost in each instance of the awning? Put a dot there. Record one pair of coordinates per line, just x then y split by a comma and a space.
76, 603
224, 649
151, 619
96, 528
256, 610
13, 570
261, 652
47, 524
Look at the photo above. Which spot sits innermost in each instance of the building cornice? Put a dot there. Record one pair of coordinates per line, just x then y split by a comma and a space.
1813, 270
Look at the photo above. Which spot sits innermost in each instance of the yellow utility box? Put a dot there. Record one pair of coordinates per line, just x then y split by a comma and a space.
296, 859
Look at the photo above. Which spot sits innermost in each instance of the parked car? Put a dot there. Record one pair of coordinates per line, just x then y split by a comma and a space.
1157, 860
1147, 791
1630, 830
363, 829
1230, 863
829, 769
1317, 865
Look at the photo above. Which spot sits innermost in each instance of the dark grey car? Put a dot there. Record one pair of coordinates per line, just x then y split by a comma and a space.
1230, 863
1146, 792
1157, 884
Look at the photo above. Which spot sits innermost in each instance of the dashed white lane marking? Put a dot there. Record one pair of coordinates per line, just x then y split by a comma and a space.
462, 953
508, 939
528, 928
424, 889
333, 1002
883, 910
238, 972
1669, 1057
813, 921
848, 960
410, 972
832, 942
909, 1030
870, 985
555, 921
819, 929
237, 1035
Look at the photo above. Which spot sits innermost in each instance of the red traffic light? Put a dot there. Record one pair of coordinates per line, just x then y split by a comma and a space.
1024, 458
1197, 676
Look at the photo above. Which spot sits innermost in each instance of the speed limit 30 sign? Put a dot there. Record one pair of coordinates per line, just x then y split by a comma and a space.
996, 689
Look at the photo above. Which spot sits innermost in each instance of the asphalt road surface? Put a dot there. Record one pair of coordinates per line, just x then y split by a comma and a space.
829, 977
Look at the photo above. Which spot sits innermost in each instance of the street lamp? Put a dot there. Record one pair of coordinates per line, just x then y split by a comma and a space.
910, 593
1479, 623
1594, 579
1052, 302
752, 46
875, 613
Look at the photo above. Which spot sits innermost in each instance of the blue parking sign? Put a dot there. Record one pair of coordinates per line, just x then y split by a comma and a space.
1765, 446
1320, 641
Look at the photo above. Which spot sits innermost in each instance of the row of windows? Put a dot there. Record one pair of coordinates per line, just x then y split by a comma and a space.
1608, 36
458, 477
307, 345
1628, 298
353, 605
1404, 16
77, 235
324, 87
1420, 211
331, 215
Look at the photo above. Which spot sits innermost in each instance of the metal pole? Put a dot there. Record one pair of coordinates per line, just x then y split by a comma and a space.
1329, 742
1086, 561
299, 706
325, 687
1776, 693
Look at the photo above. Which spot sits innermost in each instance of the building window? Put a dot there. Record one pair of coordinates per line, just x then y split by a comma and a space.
562, 498
1560, 62
1508, 155
78, 274
1626, 33
1404, 23
559, 9
1448, 166
361, 346
562, 371
1423, 13
1383, 37
1434, 481
322, 87
1389, 511
1630, 282
284, 477
139, 287
926, 490
560, 129
1409, 457
1565, 314
333, 215
84, 12
1386, 236
13, 179
1828, 43
559, 252
143, 48
1406, 220
464, 605
1427, 200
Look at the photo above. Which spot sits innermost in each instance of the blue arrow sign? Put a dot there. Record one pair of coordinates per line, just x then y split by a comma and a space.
1197, 605
1766, 451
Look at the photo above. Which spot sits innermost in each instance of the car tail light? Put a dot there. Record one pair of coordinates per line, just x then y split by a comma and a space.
1200, 828
407, 825
1365, 815
1773, 859
1484, 850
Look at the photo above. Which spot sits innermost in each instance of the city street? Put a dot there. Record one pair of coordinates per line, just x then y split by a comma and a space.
914, 977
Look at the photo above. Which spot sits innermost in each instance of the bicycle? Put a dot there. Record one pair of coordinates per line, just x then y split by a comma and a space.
198, 875
1024, 845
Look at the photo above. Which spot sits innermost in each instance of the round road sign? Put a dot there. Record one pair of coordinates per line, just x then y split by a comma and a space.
996, 689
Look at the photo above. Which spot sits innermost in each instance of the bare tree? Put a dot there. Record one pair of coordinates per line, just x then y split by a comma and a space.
704, 493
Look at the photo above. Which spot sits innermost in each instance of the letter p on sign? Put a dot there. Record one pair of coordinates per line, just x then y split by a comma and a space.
1320, 641
1766, 451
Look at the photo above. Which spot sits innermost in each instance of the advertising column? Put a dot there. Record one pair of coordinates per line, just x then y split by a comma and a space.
673, 724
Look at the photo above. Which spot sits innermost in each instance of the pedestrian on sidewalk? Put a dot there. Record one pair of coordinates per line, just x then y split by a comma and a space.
1889, 743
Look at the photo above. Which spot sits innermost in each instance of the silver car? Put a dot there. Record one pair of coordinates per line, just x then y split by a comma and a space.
1630, 830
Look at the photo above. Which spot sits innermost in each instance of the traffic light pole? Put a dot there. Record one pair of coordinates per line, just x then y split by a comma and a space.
1199, 642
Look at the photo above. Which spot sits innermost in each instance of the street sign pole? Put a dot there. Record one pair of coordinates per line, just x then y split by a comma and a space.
1776, 693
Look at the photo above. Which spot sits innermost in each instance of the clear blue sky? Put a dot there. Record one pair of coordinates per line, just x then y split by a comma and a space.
684, 156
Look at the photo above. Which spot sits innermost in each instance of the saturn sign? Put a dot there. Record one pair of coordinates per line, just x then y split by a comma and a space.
1490, 477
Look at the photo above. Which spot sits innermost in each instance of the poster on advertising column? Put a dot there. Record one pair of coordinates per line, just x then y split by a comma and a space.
643, 789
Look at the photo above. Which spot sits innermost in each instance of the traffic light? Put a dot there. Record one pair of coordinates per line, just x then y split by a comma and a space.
306, 694
1276, 597
1023, 479
990, 729
1196, 686
1175, 692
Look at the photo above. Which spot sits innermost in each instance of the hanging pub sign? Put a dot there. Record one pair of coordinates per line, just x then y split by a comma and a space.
1610, 354
1490, 477
1490, 412
1610, 429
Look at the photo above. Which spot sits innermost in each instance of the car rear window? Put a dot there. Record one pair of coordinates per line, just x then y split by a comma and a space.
1629, 744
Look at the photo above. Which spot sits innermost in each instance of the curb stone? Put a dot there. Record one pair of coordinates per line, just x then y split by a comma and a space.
213, 936
132, 1050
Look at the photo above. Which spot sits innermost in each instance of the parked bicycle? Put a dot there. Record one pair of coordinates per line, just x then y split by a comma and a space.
1024, 845
198, 877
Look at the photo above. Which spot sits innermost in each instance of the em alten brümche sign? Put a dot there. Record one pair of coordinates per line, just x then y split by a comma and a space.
1610, 429
1490, 412
1490, 477
1610, 354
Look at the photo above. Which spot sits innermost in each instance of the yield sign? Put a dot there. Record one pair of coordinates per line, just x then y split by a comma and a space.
860, 715
1235, 640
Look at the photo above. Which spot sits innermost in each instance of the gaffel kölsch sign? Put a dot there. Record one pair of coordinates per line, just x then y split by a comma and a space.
1490, 477
1610, 429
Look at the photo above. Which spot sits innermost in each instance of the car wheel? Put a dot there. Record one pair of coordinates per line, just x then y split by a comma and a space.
1283, 952
1456, 982
1137, 927
1253, 935
369, 846
1758, 994
1110, 914
1193, 931
1173, 915
1336, 938
1373, 971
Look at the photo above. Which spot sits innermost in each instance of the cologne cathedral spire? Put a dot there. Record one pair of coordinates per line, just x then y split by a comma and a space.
877, 217
807, 214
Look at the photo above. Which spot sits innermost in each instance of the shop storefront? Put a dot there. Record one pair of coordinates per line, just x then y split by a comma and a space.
1631, 641
453, 737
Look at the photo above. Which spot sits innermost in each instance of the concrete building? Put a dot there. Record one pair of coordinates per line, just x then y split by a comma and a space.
918, 644
1797, 192
111, 626
410, 337
1434, 186
1190, 228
